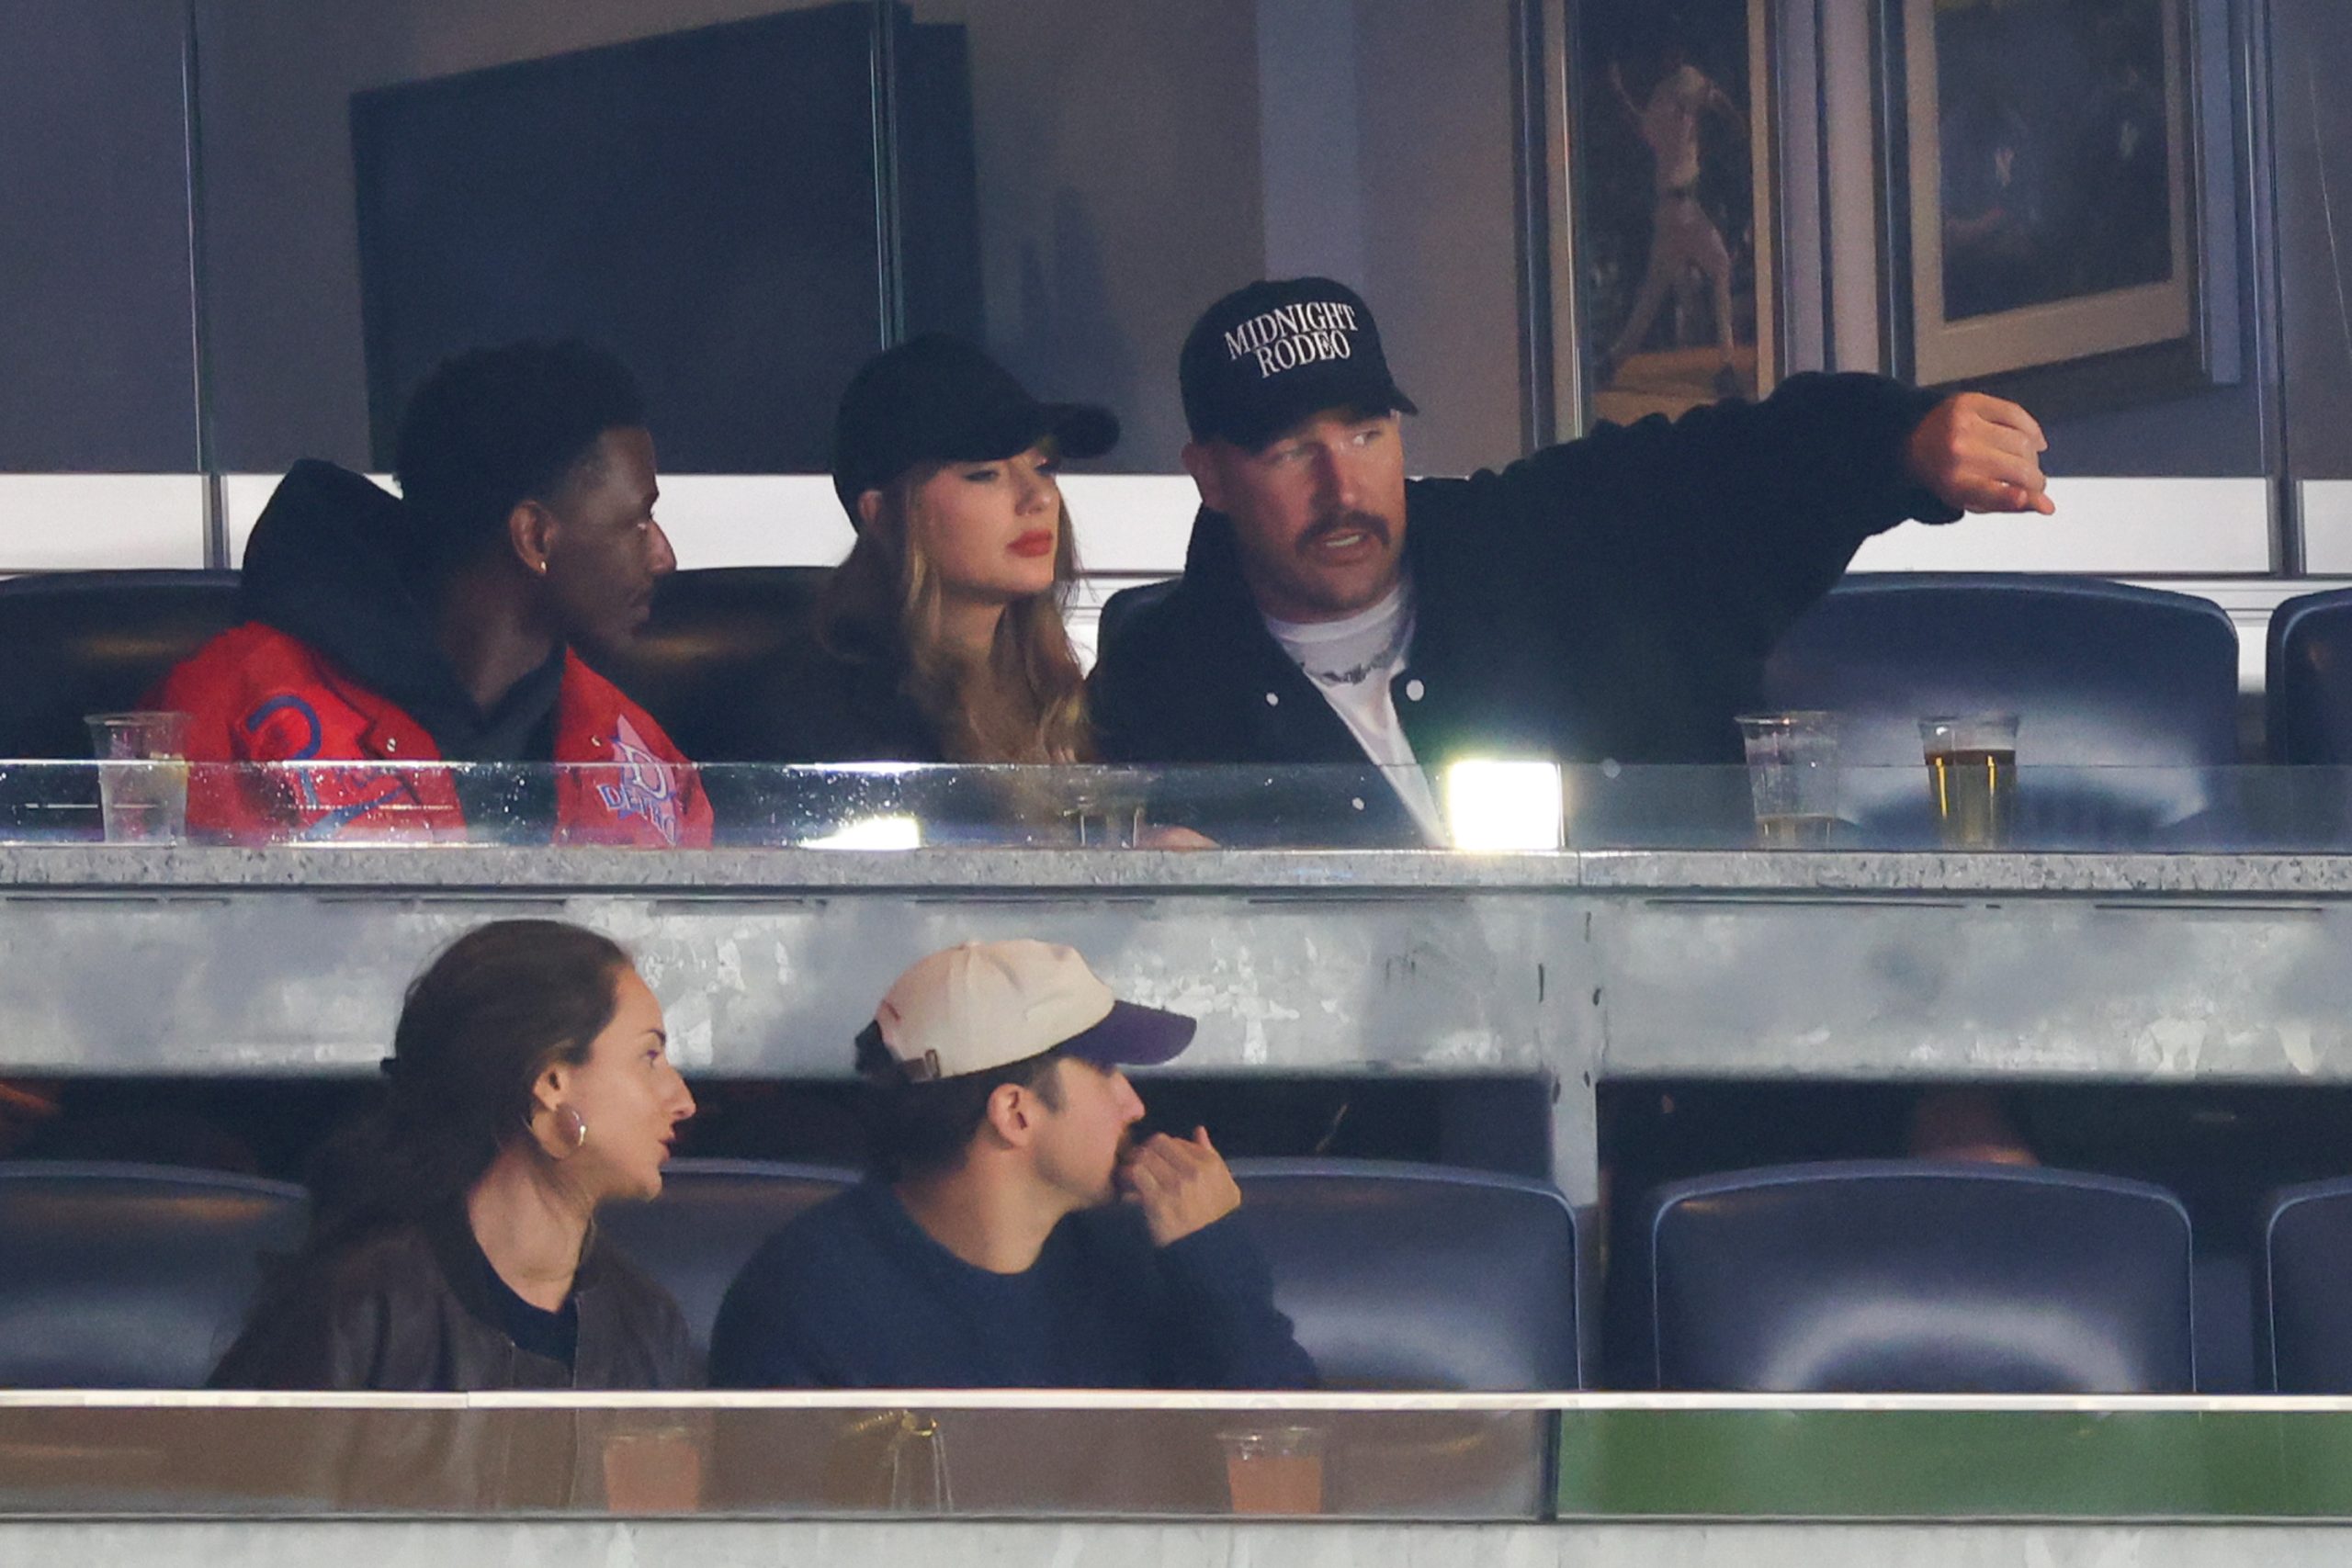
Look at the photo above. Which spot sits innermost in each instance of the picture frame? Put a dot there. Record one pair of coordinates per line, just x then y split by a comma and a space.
1663, 159
2043, 217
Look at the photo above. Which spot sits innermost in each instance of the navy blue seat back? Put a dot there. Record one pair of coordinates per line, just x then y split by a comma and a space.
1419, 1277
130, 1276
712, 631
711, 1216
1911, 1277
2102, 676
85, 642
2302, 1310
2307, 689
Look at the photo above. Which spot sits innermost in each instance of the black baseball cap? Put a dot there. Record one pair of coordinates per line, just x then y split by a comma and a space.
937, 399
1267, 356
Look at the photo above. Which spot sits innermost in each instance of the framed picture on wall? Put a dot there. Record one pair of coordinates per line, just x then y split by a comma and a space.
1666, 109
2045, 214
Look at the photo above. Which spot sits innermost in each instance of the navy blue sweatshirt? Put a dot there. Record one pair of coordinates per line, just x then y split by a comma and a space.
855, 1294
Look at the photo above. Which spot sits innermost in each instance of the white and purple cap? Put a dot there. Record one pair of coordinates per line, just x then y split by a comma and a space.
986, 1004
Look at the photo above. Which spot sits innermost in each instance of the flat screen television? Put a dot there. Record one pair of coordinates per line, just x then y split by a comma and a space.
704, 203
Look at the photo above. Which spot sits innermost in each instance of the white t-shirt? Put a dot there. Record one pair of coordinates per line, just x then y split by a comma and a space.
1351, 661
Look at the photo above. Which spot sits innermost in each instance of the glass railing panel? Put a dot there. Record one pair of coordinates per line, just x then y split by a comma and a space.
979, 1455
1484, 807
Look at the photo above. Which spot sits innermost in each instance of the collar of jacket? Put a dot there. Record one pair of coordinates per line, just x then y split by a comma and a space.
466, 1269
1228, 627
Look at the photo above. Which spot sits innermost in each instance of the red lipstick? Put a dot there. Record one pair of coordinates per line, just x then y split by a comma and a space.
1035, 542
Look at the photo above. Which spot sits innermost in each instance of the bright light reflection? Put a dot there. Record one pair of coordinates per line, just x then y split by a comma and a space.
1503, 806
873, 833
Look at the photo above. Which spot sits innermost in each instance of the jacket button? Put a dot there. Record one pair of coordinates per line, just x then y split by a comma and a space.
1273, 701
1413, 689
391, 746
1357, 801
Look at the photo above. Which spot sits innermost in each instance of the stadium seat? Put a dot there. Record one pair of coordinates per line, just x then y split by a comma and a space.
2303, 1289
2307, 689
2135, 688
130, 1276
711, 1216
1911, 1277
1421, 1277
85, 642
712, 631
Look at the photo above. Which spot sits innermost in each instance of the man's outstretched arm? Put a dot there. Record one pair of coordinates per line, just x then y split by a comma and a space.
1745, 513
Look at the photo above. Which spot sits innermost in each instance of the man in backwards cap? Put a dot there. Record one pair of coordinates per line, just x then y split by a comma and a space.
1014, 1234
1608, 599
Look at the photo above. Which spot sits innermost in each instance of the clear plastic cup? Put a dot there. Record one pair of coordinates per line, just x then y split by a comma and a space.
1792, 777
1274, 1470
142, 775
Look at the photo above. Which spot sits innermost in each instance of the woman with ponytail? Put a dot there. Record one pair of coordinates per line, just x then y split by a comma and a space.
452, 1243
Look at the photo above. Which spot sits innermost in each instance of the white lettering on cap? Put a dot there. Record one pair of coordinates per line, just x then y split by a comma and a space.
1308, 332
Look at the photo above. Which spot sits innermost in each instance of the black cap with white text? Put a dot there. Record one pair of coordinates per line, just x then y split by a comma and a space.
937, 399
1277, 352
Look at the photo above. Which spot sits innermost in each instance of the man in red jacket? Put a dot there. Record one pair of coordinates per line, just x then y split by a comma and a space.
380, 632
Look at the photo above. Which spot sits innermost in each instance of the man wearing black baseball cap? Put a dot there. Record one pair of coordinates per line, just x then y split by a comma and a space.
1610, 598
1015, 1234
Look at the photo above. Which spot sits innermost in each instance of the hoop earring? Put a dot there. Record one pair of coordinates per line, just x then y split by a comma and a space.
570, 1126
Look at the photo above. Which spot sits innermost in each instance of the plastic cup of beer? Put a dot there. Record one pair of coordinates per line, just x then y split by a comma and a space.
1972, 776
142, 775
1274, 1470
656, 1471
1792, 777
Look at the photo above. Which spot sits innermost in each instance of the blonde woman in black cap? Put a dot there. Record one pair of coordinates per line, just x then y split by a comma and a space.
940, 639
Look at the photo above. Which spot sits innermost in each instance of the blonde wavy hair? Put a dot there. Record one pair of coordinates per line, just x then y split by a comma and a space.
1026, 703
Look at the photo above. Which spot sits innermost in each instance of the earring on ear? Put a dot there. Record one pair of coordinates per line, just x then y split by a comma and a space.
572, 1127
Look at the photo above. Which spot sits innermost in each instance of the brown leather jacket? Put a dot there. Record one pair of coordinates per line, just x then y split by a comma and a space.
409, 1310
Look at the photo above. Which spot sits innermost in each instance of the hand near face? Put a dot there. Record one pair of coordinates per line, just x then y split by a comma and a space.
1981, 453
1180, 1184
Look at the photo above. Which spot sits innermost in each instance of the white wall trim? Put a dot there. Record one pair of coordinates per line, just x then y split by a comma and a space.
93, 522
2106, 528
1135, 525
2326, 509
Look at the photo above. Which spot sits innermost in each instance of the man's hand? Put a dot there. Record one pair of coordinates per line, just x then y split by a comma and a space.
1180, 1184
1981, 453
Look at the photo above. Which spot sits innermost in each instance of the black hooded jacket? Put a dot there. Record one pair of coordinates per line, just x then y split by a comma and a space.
1612, 598
337, 563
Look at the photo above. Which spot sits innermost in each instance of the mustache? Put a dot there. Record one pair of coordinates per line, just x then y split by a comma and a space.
1344, 523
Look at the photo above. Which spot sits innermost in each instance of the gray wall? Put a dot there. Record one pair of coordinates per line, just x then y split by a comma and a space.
96, 344
1441, 220
2312, 91
1136, 158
